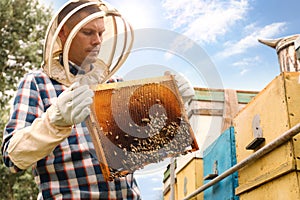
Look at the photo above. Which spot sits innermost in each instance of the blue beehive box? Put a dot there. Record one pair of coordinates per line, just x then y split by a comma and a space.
217, 158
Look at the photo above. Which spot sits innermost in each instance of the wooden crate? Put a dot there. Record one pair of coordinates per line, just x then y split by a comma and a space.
135, 123
217, 158
273, 111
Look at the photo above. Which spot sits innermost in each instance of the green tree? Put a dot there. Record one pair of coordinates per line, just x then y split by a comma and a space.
23, 24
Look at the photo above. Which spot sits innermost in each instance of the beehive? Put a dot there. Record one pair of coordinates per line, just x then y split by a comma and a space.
217, 158
189, 178
139, 122
272, 112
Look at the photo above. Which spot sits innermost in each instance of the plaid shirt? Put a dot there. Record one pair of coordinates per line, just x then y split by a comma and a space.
72, 170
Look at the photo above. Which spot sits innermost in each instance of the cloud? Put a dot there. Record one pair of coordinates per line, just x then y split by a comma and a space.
156, 179
150, 175
241, 46
244, 71
247, 62
157, 189
202, 20
140, 14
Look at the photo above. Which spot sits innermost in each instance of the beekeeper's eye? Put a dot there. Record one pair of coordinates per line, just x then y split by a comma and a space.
101, 33
87, 32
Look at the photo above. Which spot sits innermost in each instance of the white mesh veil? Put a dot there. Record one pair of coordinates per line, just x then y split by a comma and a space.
115, 47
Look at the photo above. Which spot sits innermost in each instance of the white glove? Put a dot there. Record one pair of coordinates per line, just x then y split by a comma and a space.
72, 106
185, 88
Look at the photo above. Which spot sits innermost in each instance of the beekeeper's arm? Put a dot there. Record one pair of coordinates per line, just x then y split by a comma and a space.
25, 146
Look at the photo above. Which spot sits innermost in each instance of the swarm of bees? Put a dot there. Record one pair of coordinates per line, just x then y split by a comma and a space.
141, 124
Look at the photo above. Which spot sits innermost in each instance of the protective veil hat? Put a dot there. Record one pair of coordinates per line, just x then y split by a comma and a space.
115, 46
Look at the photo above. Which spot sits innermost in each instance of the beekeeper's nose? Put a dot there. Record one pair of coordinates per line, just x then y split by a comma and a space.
97, 39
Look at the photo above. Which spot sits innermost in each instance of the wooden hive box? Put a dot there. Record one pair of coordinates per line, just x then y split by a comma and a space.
135, 123
217, 158
272, 112
189, 178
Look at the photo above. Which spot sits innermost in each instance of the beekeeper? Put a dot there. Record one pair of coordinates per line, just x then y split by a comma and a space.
47, 129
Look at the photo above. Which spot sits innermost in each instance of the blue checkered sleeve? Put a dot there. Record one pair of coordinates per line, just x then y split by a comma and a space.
27, 106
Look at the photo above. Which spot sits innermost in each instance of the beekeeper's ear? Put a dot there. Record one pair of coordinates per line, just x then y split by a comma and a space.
63, 34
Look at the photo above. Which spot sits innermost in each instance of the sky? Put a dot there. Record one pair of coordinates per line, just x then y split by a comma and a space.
220, 47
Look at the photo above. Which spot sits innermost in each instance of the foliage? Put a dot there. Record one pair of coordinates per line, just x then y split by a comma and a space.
22, 27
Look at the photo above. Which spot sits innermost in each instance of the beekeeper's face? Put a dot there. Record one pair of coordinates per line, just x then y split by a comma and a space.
86, 44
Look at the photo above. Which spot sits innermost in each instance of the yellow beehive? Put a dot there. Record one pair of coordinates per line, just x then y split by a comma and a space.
282, 188
272, 112
167, 194
189, 178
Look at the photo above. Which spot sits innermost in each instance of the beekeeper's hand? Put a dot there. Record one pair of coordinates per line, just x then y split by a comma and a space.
185, 88
72, 106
